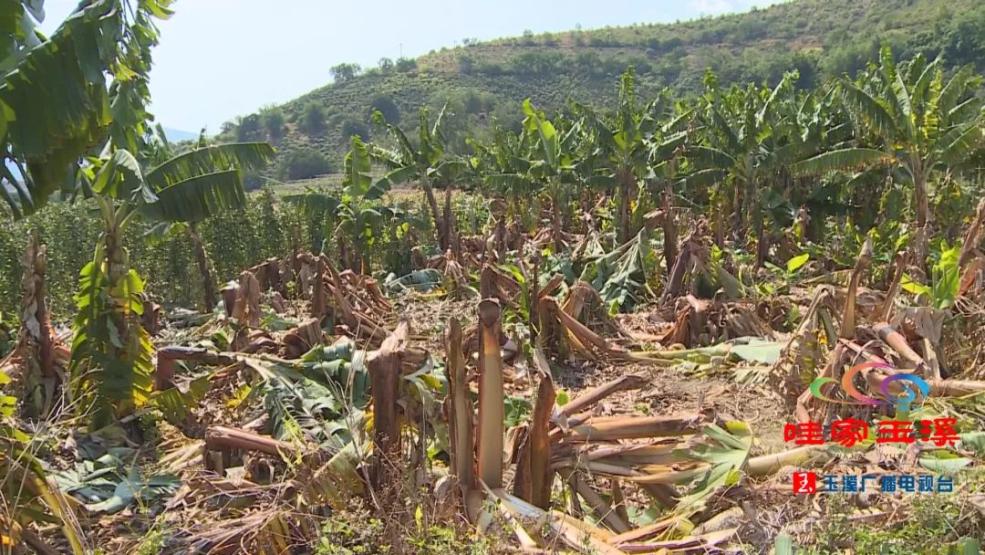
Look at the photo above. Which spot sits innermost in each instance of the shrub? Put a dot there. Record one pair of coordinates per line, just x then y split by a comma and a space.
249, 128
406, 65
313, 119
387, 107
273, 122
466, 64
344, 72
304, 164
352, 127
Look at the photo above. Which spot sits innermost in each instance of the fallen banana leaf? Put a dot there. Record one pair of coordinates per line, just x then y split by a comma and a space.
576, 534
651, 530
694, 544
424, 280
726, 452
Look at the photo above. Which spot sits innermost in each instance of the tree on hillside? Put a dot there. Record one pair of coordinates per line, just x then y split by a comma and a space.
273, 122
249, 128
406, 65
312, 119
385, 105
354, 128
304, 164
344, 72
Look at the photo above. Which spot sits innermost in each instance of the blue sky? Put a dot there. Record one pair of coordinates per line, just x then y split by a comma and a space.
222, 58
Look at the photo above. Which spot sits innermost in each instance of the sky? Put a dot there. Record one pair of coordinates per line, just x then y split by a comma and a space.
219, 59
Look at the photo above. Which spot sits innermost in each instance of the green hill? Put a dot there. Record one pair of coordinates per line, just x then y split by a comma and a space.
485, 81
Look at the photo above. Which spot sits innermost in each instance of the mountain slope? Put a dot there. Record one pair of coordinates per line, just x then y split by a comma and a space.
484, 82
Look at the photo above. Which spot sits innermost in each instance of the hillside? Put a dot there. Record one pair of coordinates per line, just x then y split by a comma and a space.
484, 82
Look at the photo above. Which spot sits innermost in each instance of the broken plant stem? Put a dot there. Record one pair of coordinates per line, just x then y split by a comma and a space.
491, 396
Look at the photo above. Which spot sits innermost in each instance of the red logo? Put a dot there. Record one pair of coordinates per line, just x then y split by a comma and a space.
804, 482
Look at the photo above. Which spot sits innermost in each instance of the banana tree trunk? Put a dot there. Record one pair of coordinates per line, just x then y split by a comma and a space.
435, 213
921, 242
626, 183
759, 221
202, 260
920, 193
556, 226
449, 223
718, 222
738, 221
669, 227
586, 202
762, 241
42, 383
516, 214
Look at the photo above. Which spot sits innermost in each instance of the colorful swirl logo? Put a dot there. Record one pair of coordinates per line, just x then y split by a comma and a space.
912, 384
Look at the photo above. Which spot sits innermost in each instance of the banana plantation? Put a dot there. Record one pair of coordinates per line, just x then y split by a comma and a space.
626, 328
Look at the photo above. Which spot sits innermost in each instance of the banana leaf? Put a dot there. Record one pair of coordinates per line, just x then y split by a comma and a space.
418, 280
726, 452
107, 486
620, 276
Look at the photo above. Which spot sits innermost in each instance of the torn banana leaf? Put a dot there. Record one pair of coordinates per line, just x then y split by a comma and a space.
106, 488
620, 276
727, 451
176, 403
748, 349
756, 350
315, 401
424, 280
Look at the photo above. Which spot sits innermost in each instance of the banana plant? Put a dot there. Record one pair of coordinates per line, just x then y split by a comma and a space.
216, 171
632, 143
665, 146
748, 141
728, 155
111, 351
360, 219
428, 163
913, 121
552, 163
63, 95
501, 165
